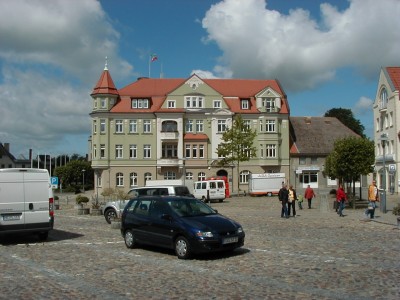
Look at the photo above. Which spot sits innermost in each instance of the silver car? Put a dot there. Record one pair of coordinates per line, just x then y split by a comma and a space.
113, 209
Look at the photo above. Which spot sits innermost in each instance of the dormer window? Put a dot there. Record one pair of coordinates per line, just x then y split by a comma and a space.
194, 102
244, 104
171, 104
103, 103
269, 104
140, 103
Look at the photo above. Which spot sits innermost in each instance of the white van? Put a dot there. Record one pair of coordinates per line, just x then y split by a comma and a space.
209, 190
26, 201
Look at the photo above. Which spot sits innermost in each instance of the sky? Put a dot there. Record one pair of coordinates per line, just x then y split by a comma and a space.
326, 54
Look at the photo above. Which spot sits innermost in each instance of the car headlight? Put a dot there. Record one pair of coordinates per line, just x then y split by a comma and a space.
204, 234
240, 230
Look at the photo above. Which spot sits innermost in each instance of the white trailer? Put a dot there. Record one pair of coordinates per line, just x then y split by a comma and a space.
266, 184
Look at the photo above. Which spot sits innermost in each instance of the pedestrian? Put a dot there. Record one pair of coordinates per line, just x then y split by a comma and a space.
283, 197
300, 201
309, 194
373, 197
341, 198
292, 201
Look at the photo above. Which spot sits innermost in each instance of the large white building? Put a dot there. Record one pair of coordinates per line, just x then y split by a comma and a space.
387, 129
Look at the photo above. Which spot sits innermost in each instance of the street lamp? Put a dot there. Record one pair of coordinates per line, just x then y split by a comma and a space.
83, 180
384, 138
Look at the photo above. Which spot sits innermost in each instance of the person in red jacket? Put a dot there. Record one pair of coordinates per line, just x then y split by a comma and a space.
309, 194
341, 197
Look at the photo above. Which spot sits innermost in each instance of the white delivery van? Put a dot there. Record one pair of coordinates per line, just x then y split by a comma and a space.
265, 184
26, 201
209, 190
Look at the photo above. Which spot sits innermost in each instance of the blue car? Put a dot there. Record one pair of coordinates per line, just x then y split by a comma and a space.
184, 224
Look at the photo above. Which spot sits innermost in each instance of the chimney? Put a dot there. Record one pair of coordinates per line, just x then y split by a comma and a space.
30, 154
7, 146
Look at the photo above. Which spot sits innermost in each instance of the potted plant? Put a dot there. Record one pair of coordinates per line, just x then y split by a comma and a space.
95, 211
81, 201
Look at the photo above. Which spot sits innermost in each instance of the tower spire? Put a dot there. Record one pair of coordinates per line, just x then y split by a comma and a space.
106, 65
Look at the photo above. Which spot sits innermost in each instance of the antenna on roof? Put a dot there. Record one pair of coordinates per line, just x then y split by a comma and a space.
106, 65
161, 73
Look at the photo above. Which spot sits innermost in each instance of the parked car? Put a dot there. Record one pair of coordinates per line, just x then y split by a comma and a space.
113, 209
185, 224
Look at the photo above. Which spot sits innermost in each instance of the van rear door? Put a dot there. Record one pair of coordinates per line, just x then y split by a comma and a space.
36, 188
11, 200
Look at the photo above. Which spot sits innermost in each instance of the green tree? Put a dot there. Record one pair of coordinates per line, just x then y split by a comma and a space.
350, 158
347, 118
72, 173
237, 145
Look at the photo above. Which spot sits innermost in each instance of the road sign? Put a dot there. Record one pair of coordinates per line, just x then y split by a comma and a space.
54, 182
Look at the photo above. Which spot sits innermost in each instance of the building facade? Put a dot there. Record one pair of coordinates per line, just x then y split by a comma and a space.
167, 129
312, 139
7, 160
387, 129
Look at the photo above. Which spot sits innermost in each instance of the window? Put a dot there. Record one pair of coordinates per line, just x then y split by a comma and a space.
169, 175
201, 151
146, 126
246, 125
189, 125
171, 104
119, 126
169, 126
194, 102
133, 126
201, 176
218, 152
147, 176
261, 126
140, 103
391, 119
384, 99
246, 151
95, 103
244, 103
118, 151
94, 126
102, 151
270, 151
146, 151
187, 150
377, 124
244, 176
102, 125
308, 177
302, 160
169, 151
314, 160
194, 151
132, 151
199, 126
120, 179
94, 151
99, 181
103, 103
221, 126
189, 175
269, 104
261, 151
270, 125
217, 104
133, 179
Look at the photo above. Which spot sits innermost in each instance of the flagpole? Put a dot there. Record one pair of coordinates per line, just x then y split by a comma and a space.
149, 65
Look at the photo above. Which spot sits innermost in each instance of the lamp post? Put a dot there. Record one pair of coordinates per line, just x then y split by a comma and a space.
83, 180
384, 139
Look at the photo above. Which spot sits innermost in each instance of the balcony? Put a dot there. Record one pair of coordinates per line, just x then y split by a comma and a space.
169, 135
169, 162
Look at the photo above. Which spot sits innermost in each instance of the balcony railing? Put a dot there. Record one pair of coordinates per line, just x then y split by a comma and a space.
169, 135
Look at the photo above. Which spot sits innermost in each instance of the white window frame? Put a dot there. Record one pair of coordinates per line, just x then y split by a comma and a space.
133, 179
199, 125
132, 126
169, 175
217, 103
103, 125
270, 125
132, 151
102, 151
119, 126
119, 179
244, 176
244, 103
139, 103
147, 151
270, 151
194, 102
146, 126
189, 125
119, 151
171, 103
94, 126
221, 126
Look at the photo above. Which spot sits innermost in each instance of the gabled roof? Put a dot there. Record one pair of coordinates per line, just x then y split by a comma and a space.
232, 90
105, 85
316, 135
394, 76
5, 152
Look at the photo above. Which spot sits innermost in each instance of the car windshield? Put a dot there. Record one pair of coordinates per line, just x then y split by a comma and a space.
190, 207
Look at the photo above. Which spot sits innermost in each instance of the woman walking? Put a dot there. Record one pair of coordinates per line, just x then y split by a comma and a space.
341, 197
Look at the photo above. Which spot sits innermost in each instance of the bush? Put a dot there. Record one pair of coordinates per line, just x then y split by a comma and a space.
81, 200
396, 210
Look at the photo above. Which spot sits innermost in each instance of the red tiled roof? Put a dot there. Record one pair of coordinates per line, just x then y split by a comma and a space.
105, 85
394, 73
197, 136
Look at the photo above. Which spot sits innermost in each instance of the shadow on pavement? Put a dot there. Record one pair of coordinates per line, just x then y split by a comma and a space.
31, 238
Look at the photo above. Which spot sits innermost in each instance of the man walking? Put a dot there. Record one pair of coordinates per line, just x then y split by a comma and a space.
309, 194
283, 197
373, 197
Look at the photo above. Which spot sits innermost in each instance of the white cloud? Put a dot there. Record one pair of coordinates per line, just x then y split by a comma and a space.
363, 106
301, 52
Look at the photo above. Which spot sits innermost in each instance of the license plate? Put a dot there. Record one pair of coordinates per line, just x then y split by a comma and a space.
11, 217
230, 240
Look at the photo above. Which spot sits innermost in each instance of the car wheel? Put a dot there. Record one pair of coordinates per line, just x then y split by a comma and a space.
43, 235
110, 214
130, 240
182, 248
221, 200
